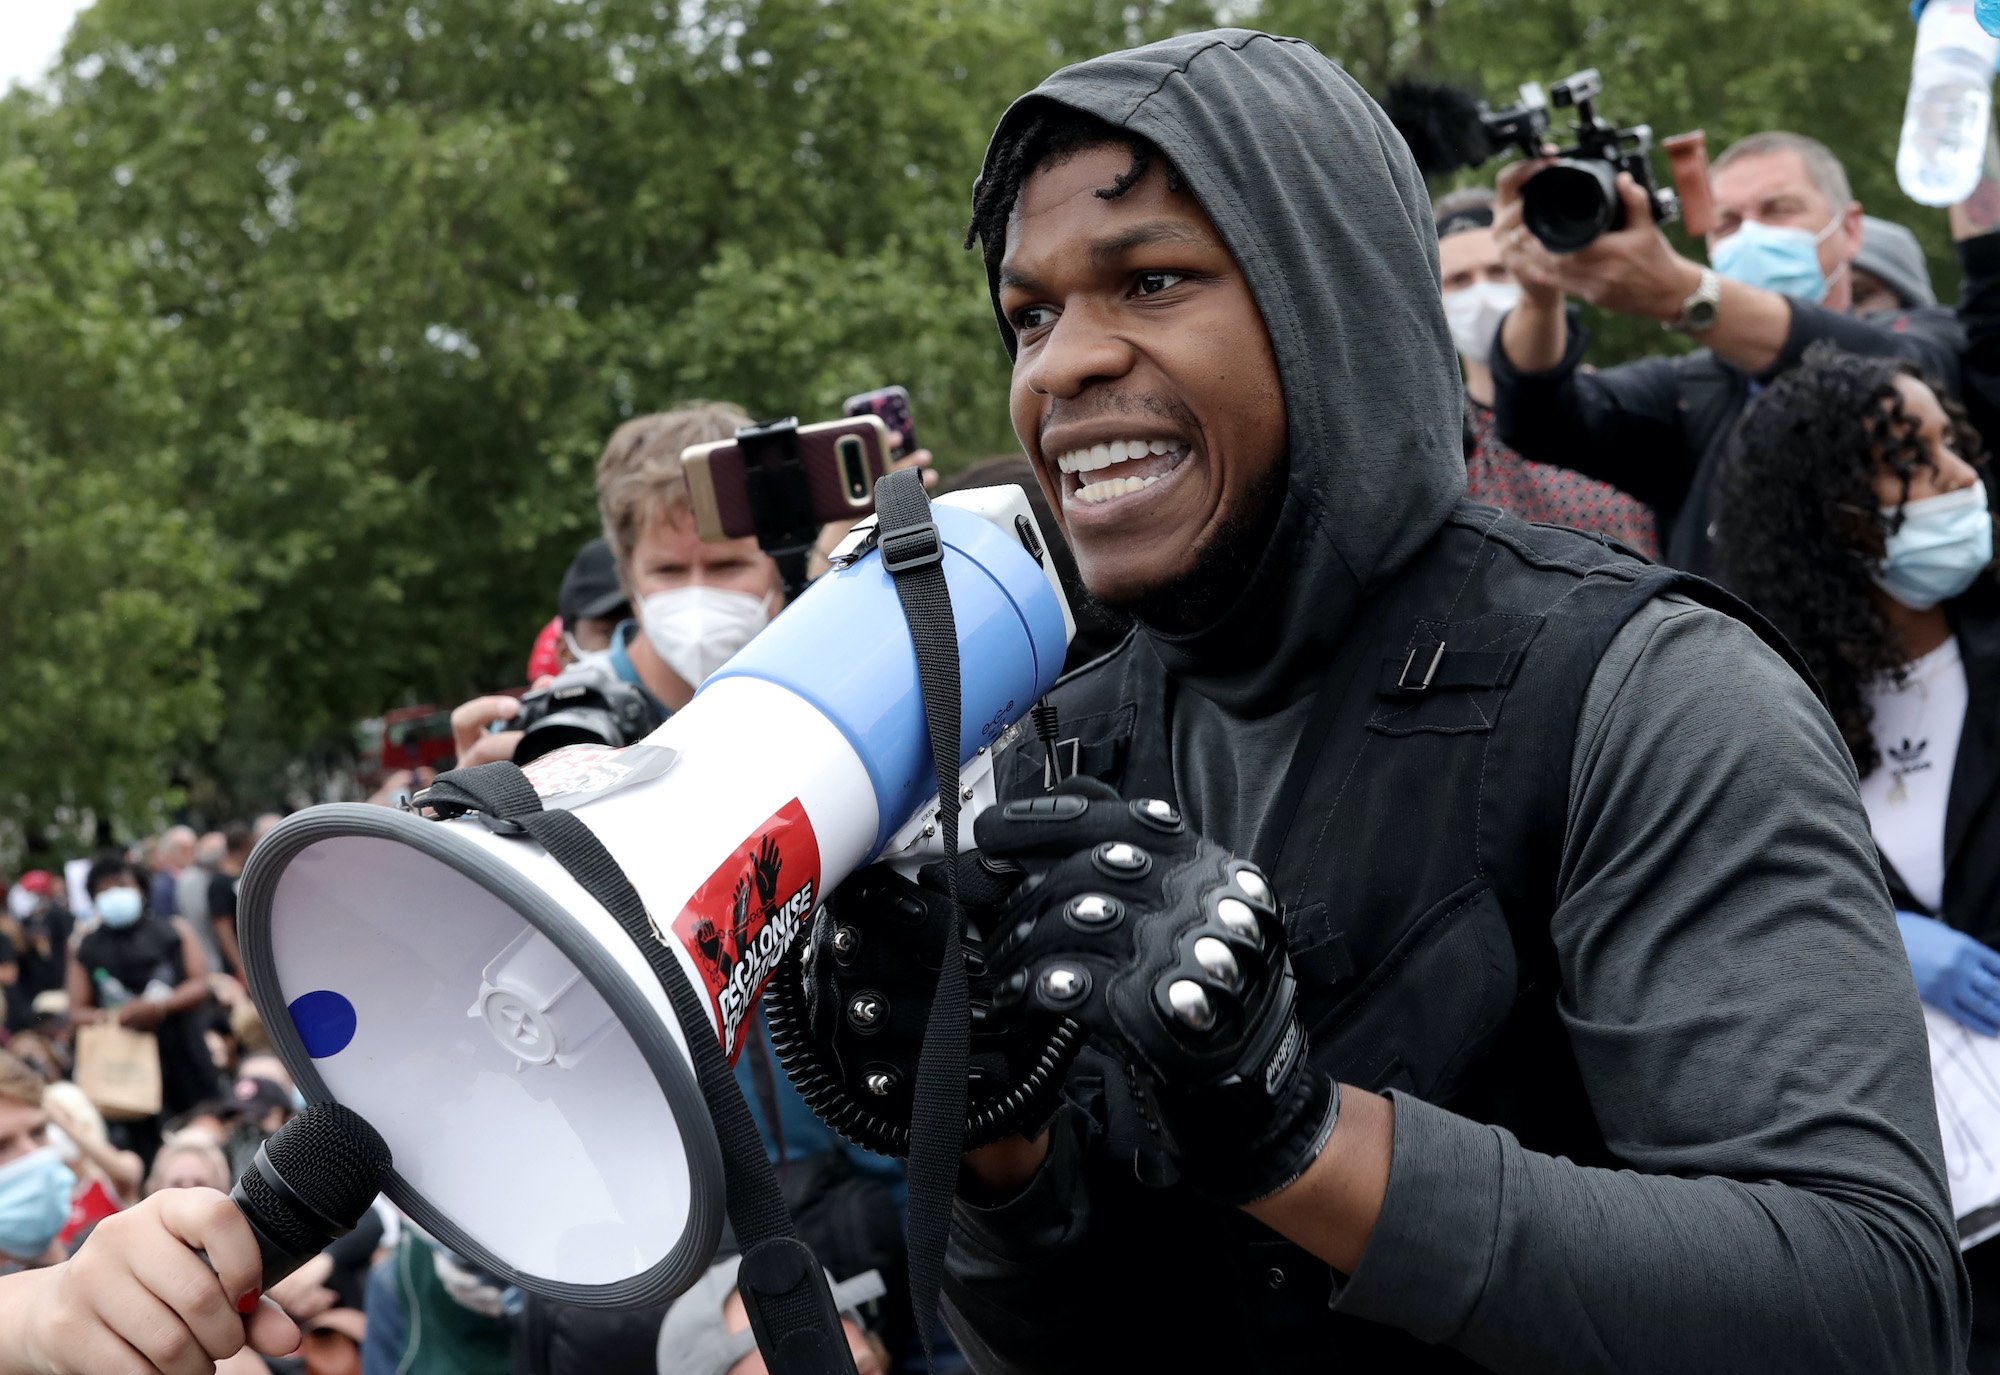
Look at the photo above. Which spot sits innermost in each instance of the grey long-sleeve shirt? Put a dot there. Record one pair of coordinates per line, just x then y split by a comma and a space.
1751, 1043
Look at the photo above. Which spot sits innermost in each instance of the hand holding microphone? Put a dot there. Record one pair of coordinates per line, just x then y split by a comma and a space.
175, 1284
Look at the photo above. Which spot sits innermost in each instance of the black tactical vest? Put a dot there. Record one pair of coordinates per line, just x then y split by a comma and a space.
1418, 873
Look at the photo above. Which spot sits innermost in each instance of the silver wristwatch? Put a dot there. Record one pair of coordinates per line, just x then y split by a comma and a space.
1699, 310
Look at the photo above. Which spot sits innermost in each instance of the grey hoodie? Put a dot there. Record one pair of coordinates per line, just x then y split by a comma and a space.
1341, 255
1732, 985
1344, 270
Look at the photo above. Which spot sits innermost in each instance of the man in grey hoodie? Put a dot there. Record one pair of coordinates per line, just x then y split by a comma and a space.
1584, 1041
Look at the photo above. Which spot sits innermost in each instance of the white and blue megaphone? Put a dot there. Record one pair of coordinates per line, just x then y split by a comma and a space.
457, 988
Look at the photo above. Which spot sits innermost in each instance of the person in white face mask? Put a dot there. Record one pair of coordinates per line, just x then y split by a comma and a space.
1853, 514
693, 604
1479, 290
697, 603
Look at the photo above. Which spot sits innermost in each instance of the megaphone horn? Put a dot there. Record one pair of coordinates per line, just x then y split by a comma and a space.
450, 981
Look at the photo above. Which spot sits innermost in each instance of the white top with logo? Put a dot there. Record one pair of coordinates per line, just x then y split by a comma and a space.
1916, 729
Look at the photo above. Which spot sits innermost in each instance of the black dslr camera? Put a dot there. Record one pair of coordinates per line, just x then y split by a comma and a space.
589, 704
1568, 205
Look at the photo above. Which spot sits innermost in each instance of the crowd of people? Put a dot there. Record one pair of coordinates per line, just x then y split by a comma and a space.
1820, 456
184, 1094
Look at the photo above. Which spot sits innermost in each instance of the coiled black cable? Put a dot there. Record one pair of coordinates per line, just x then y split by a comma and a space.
1008, 1111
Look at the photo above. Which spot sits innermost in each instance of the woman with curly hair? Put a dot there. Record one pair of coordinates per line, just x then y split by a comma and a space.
1855, 518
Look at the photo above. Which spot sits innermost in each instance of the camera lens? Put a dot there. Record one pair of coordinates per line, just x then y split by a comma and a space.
582, 725
853, 468
1568, 205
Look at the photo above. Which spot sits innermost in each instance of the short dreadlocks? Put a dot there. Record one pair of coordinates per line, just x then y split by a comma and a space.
1049, 135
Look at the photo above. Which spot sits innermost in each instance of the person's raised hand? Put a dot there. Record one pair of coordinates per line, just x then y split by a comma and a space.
472, 741
1534, 267
1629, 271
140, 1297
1955, 973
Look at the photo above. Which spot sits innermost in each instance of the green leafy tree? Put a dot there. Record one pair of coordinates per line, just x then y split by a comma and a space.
106, 583
339, 298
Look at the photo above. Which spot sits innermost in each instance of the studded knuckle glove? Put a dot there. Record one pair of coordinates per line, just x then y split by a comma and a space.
1170, 952
850, 1008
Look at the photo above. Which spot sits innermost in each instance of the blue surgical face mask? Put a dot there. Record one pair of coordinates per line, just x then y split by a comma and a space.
34, 1202
1942, 545
118, 906
1775, 258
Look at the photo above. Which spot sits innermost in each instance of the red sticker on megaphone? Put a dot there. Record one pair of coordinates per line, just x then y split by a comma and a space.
746, 915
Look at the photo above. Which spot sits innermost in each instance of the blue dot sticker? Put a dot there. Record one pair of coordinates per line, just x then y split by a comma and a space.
325, 1020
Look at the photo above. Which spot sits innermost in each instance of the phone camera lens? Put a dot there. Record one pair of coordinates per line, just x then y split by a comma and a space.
853, 470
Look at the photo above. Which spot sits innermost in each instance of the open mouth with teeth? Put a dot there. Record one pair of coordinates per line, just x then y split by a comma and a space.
1119, 468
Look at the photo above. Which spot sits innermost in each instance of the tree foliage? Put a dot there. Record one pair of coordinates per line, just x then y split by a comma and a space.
318, 311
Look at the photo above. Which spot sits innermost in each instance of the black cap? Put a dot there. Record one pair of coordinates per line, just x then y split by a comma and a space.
590, 589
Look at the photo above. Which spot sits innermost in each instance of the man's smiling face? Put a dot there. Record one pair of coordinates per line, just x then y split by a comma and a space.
1145, 389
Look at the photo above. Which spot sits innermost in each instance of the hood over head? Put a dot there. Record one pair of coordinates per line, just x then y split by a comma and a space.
1323, 208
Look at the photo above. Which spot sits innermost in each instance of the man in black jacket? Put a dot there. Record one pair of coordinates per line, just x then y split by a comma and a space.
1585, 1040
1787, 233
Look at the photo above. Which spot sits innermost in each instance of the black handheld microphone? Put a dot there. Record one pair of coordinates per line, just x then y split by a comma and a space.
310, 1184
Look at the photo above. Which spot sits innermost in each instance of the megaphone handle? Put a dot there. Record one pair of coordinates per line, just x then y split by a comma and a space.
791, 1310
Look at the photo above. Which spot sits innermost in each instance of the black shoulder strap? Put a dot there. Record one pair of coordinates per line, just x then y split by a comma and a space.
913, 552
784, 1287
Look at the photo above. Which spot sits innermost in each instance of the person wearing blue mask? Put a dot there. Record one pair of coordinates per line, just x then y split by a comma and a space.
1853, 511
170, 1283
1780, 277
146, 972
35, 1185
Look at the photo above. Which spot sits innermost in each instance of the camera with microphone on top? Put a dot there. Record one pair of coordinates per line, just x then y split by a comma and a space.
1573, 200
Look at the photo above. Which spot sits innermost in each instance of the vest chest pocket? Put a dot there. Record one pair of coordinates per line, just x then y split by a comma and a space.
1421, 1016
1449, 678
1094, 746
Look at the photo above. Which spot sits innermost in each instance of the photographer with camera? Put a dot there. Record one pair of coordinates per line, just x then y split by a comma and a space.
1787, 230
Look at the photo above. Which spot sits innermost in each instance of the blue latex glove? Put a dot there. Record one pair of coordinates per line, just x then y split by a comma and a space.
1955, 973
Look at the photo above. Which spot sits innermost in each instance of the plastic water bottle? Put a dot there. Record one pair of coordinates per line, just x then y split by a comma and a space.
110, 992
1951, 99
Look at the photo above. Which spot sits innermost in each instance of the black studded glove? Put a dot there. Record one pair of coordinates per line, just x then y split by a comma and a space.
848, 1009
1170, 952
